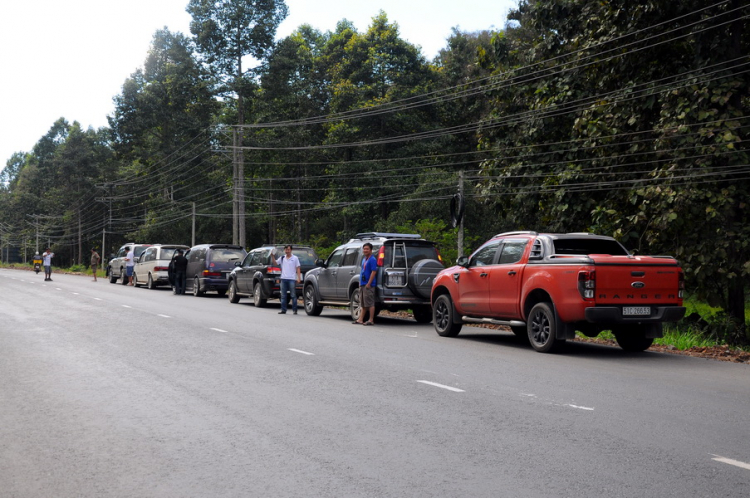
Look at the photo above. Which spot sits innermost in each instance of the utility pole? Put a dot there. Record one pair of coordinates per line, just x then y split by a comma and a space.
192, 241
461, 222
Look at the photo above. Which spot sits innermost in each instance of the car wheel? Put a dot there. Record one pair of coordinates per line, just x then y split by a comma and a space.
633, 339
135, 280
197, 292
355, 308
233, 297
260, 302
310, 300
150, 282
443, 314
422, 314
112, 278
124, 277
541, 328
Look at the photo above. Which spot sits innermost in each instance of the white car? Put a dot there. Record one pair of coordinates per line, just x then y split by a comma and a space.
152, 267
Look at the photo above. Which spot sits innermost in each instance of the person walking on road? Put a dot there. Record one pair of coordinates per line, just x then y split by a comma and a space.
290, 277
47, 257
367, 283
129, 265
179, 269
95, 258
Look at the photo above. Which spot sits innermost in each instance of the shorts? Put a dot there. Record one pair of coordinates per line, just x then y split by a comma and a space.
129, 271
367, 296
94, 267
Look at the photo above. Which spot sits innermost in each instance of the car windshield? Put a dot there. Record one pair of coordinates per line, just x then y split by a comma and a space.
306, 257
589, 246
226, 255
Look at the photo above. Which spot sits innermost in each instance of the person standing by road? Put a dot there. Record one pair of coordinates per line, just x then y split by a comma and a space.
290, 277
95, 258
130, 264
47, 257
367, 283
179, 270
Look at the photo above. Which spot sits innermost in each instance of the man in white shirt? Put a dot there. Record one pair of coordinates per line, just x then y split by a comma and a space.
129, 265
47, 257
290, 276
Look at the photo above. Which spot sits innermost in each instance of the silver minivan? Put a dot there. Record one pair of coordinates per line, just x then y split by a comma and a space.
152, 267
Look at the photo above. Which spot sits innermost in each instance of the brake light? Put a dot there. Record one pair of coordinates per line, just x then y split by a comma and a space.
587, 283
207, 273
440, 258
161, 268
274, 271
381, 256
680, 284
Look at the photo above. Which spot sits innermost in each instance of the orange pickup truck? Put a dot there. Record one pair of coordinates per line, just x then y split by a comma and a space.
546, 286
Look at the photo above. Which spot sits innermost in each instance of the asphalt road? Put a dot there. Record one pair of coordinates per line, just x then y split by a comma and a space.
108, 390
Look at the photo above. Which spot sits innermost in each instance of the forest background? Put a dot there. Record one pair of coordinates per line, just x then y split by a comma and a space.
619, 117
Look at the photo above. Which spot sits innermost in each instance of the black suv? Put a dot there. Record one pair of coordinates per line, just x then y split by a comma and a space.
257, 276
407, 265
209, 266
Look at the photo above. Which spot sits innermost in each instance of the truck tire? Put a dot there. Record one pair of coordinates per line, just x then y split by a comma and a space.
355, 307
233, 297
197, 292
258, 299
633, 338
421, 276
541, 328
443, 314
310, 300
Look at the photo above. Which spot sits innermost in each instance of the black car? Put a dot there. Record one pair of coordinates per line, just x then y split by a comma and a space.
407, 265
257, 276
209, 266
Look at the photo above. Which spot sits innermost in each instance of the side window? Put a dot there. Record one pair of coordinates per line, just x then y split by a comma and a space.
512, 251
248, 258
334, 260
485, 255
351, 256
197, 255
149, 255
123, 252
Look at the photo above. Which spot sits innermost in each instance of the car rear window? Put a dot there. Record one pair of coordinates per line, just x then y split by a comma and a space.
415, 252
306, 257
589, 246
226, 255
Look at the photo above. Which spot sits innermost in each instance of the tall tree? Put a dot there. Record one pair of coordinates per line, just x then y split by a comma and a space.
226, 32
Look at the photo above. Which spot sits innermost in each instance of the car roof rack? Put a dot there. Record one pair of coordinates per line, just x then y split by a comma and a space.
378, 235
516, 233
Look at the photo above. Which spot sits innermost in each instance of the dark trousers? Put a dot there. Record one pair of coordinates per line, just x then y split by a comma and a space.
179, 282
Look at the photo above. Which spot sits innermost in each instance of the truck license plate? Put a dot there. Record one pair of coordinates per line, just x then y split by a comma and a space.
636, 311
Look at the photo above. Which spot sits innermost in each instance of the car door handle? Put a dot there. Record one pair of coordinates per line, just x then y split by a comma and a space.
511, 272
483, 274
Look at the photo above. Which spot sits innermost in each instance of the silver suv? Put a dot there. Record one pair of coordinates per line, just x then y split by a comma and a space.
152, 268
407, 265
116, 266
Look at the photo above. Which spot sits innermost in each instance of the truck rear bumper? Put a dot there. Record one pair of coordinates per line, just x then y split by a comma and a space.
613, 314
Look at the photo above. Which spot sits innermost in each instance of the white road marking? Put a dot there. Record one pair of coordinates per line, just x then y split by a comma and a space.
301, 352
126, 306
76, 294
165, 316
97, 299
580, 407
441, 386
729, 461
219, 330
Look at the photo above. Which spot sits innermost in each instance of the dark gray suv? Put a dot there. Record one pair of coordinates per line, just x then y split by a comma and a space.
407, 265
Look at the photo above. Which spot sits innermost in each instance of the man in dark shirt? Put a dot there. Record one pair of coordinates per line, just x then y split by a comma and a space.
180, 269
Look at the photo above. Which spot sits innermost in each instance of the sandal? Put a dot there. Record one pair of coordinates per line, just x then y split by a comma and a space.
369, 323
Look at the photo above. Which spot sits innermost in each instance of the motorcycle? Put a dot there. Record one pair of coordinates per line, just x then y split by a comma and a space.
37, 265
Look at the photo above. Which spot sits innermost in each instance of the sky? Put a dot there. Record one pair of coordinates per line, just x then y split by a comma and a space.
70, 58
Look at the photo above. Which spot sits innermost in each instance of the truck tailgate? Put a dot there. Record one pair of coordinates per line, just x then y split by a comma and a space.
626, 280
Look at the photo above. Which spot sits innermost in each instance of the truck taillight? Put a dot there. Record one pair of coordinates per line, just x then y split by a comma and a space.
381, 256
272, 270
680, 284
587, 283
